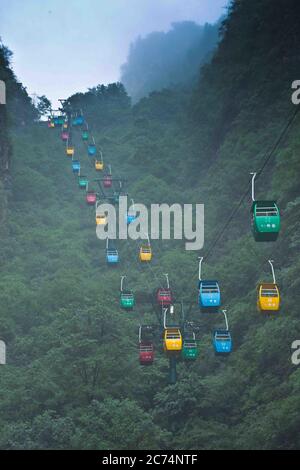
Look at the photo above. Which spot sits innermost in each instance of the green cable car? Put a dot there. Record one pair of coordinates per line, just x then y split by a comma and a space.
85, 135
127, 300
265, 218
60, 120
83, 182
190, 349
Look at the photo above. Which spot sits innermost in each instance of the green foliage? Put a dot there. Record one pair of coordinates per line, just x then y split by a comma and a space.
73, 379
20, 108
44, 105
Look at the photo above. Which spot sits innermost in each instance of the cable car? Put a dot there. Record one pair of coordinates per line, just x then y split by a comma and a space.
222, 342
91, 198
164, 295
268, 297
112, 256
146, 348
85, 136
83, 182
70, 151
145, 253
60, 120
107, 181
265, 221
131, 214
101, 219
51, 124
65, 125
130, 218
99, 165
146, 353
265, 218
64, 136
172, 339
80, 120
92, 150
190, 348
56, 121
127, 300
76, 166
209, 298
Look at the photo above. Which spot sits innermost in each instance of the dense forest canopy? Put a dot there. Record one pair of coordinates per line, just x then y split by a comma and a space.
73, 378
161, 60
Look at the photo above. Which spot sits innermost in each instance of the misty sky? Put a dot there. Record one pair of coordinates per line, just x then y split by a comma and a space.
64, 46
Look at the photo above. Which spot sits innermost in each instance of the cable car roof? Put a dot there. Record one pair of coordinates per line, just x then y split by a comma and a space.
222, 335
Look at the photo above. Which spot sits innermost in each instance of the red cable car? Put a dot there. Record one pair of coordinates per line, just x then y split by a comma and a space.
164, 297
91, 198
107, 181
64, 136
146, 353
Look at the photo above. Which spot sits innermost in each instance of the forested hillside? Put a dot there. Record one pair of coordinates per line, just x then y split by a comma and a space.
162, 60
73, 378
18, 112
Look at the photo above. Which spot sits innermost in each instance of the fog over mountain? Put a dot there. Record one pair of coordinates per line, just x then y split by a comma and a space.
161, 59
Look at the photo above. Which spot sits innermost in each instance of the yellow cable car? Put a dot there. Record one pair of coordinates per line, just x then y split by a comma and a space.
268, 297
65, 125
145, 253
70, 151
172, 339
101, 219
99, 165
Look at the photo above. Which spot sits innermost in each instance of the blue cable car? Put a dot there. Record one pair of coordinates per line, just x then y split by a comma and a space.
222, 342
80, 120
76, 166
130, 218
131, 214
112, 256
209, 296
92, 150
